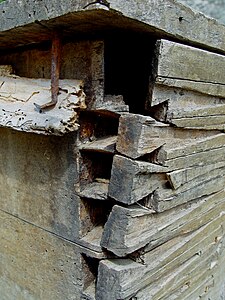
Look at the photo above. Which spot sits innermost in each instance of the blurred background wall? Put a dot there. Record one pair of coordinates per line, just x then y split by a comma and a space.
212, 8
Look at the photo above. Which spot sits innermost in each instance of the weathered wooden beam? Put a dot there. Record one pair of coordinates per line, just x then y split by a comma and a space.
131, 180
201, 31
191, 153
159, 263
164, 198
129, 229
106, 145
189, 77
96, 190
17, 98
139, 135
181, 177
188, 109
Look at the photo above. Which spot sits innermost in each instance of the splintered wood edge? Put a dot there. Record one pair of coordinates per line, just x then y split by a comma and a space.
21, 99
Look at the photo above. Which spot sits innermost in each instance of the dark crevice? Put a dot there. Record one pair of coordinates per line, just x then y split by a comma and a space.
128, 69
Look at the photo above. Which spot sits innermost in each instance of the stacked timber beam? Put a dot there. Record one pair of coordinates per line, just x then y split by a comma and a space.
168, 179
112, 199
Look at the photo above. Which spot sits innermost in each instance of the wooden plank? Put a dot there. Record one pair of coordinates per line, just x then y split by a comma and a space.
132, 180
97, 190
187, 109
190, 77
164, 199
180, 177
129, 229
201, 31
180, 99
17, 98
113, 103
106, 145
139, 135
194, 153
158, 263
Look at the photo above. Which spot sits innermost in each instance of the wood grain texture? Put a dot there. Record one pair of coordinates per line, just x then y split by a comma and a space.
17, 98
131, 180
194, 74
162, 262
139, 135
129, 229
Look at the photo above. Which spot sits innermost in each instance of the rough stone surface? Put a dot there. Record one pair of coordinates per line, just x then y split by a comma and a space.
35, 264
212, 8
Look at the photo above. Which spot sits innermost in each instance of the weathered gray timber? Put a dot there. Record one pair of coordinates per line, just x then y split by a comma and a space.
187, 109
138, 179
130, 229
139, 135
106, 145
193, 75
125, 184
96, 190
201, 30
161, 261
18, 97
191, 154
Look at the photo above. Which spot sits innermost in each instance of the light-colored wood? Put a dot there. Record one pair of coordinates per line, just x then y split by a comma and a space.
129, 229
187, 109
181, 177
131, 180
164, 199
17, 98
194, 74
195, 153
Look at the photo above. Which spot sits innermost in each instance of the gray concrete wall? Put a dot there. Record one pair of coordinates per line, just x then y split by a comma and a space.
211, 8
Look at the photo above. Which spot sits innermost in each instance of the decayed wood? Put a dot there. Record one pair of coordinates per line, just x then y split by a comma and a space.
194, 153
187, 109
17, 98
92, 239
170, 55
139, 135
96, 190
129, 229
113, 103
160, 262
6, 70
133, 180
106, 145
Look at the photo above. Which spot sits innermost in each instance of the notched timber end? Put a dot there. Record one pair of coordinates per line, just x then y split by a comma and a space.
21, 98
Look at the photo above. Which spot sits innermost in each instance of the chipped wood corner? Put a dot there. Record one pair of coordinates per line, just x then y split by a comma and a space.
20, 97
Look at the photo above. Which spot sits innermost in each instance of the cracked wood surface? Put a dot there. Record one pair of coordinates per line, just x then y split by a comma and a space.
193, 73
130, 229
17, 98
157, 268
